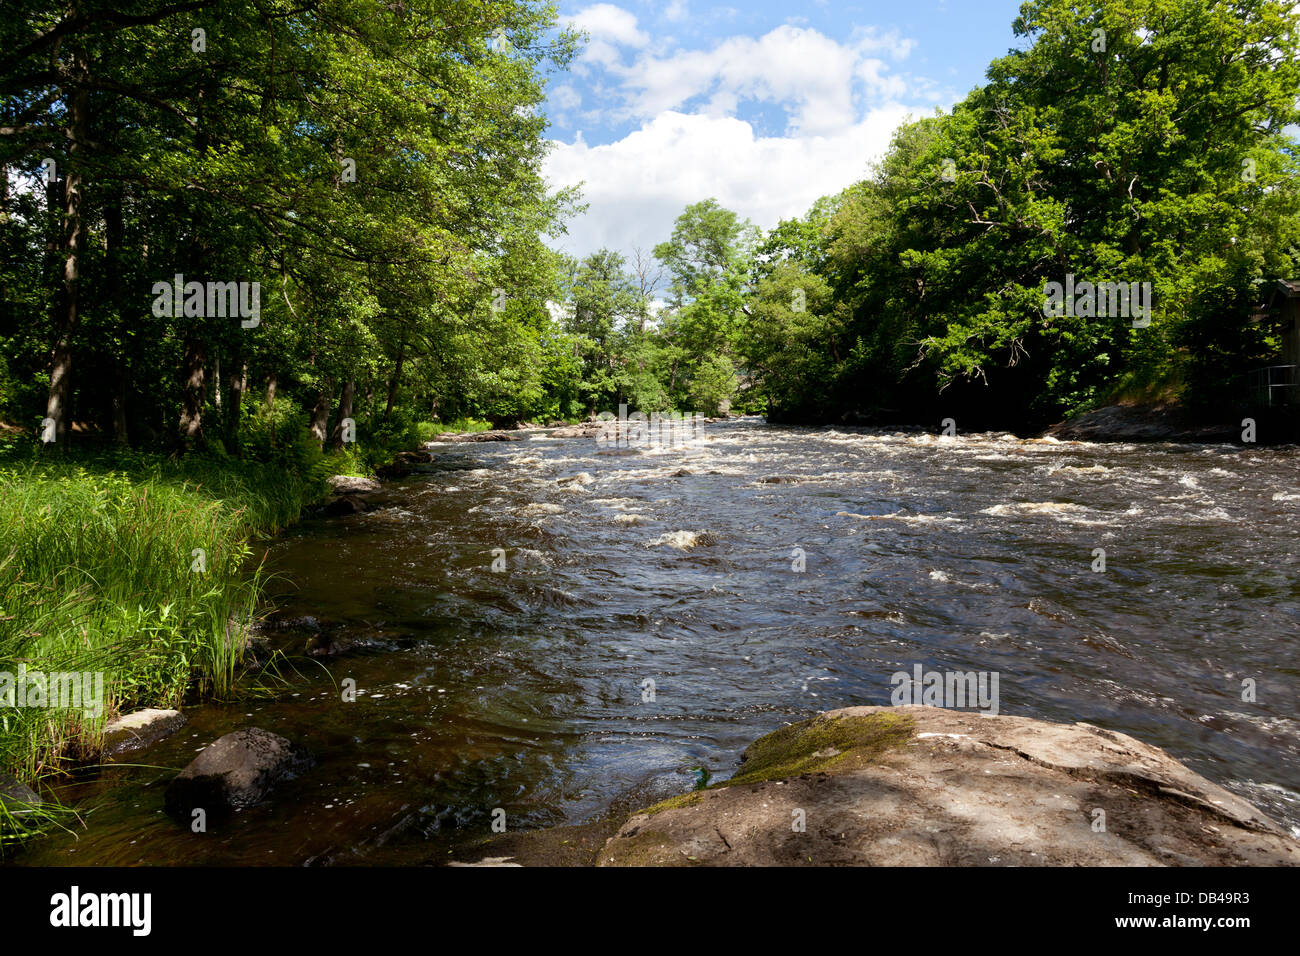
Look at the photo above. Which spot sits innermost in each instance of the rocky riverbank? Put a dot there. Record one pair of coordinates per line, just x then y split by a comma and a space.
923, 786
1174, 423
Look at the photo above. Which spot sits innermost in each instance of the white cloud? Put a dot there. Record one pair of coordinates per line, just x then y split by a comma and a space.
638, 185
609, 28
676, 11
819, 79
564, 97
841, 102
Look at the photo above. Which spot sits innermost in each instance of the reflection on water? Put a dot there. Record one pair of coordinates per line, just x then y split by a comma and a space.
523, 689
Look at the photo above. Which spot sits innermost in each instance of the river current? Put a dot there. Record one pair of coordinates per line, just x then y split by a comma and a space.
755, 576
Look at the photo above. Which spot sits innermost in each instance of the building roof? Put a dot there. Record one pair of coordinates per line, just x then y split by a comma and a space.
1283, 289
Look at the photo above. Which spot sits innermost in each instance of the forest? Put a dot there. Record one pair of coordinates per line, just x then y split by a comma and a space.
375, 171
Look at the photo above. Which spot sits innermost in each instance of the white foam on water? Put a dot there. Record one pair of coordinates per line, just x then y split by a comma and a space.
681, 540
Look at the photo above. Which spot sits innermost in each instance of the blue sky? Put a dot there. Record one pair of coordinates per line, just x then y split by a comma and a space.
763, 108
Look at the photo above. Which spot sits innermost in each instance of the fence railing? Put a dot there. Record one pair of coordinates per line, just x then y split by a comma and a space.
1275, 385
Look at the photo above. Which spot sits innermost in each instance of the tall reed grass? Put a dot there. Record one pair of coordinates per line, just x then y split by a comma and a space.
139, 568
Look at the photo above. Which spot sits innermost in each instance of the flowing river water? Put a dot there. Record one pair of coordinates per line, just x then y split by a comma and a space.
523, 689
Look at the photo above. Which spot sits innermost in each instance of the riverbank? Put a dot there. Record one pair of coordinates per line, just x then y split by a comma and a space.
128, 581
1175, 423
928, 786
133, 569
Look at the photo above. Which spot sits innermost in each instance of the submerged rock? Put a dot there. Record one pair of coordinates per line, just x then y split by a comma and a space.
344, 505
16, 796
336, 642
238, 770
924, 786
141, 729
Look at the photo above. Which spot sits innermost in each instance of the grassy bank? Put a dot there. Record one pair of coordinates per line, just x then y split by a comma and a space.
139, 567
136, 568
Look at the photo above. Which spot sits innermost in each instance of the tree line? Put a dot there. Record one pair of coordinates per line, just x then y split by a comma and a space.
375, 167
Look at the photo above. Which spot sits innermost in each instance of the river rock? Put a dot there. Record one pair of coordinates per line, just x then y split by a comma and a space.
1145, 423
589, 430
489, 861
236, 771
141, 729
345, 505
351, 484
924, 786
16, 796
496, 434
405, 463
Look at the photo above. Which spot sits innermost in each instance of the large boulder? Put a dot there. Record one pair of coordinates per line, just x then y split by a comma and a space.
236, 771
1147, 423
141, 729
923, 786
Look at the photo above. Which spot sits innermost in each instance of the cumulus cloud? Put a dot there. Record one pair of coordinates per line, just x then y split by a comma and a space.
564, 97
638, 185
609, 28
819, 78
696, 108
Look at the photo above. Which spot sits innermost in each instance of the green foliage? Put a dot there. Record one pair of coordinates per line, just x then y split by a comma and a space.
1158, 156
134, 566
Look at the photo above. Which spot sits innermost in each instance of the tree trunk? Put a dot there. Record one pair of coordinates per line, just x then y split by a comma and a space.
194, 366
66, 316
270, 404
397, 377
121, 434
320, 413
217, 397
194, 390
345, 411
114, 237
238, 385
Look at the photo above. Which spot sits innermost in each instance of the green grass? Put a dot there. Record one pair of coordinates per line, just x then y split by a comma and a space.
100, 572
18, 824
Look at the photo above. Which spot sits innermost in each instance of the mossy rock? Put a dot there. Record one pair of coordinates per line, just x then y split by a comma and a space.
681, 800
843, 742
811, 746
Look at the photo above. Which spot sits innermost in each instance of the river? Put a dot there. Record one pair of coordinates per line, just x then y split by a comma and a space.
525, 689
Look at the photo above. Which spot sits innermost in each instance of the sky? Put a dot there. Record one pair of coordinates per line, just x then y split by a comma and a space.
762, 106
